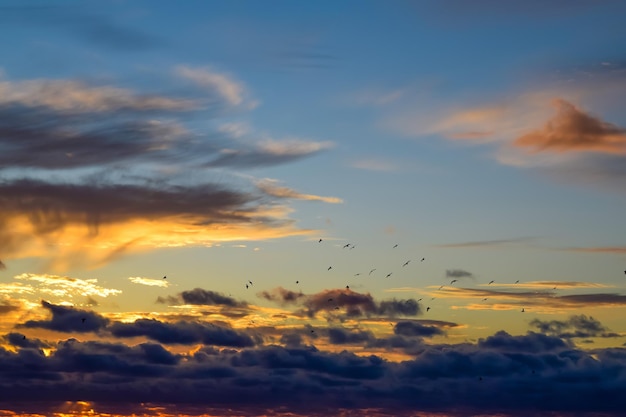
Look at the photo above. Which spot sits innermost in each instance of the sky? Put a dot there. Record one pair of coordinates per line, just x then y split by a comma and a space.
228, 208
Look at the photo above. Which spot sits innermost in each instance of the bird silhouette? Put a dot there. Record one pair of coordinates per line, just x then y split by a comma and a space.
330, 300
484, 299
347, 245
347, 287
246, 286
23, 337
372, 271
164, 276
83, 319
388, 275
395, 246
517, 281
329, 268
453, 281
419, 299
427, 308
423, 259
491, 282
319, 241
522, 310
357, 274
297, 282
406, 263
440, 288
250, 282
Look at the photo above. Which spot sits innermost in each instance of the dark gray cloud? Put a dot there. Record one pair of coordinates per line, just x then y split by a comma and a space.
346, 303
339, 336
68, 320
532, 374
458, 273
7, 307
182, 333
411, 328
21, 341
199, 296
574, 326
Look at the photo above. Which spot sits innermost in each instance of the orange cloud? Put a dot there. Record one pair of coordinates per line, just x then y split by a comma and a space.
600, 249
573, 130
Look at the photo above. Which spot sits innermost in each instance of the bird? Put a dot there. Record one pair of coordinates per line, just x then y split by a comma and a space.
517, 281
164, 276
427, 308
336, 308
453, 281
297, 282
329, 268
319, 241
347, 245
522, 310
554, 288
440, 288
491, 282
312, 331
419, 299
389, 274
83, 319
352, 247
347, 287
246, 286
250, 282
357, 274
423, 259
330, 300
484, 299
395, 246
23, 337
406, 263
372, 271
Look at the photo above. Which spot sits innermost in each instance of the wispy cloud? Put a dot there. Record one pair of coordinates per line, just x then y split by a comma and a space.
487, 243
617, 250
272, 187
231, 90
150, 282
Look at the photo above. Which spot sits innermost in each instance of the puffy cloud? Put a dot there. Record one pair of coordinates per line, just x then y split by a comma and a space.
411, 328
199, 296
344, 302
182, 332
575, 326
68, 320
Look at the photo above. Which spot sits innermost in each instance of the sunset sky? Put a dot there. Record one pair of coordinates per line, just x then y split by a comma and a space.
282, 208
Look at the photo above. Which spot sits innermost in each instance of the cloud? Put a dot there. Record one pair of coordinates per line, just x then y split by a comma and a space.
62, 139
579, 326
410, 328
68, 320
347, 303
270, 187
71, 96
458, 273
228, 88
63, 286
572, 130
2, 266
486, 243
6, 307
371, 164
182, 332
617, 250
199, 296
306, 381
21, 341
149, 282
267, 153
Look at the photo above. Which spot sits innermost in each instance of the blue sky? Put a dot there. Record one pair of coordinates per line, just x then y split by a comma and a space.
215, 143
